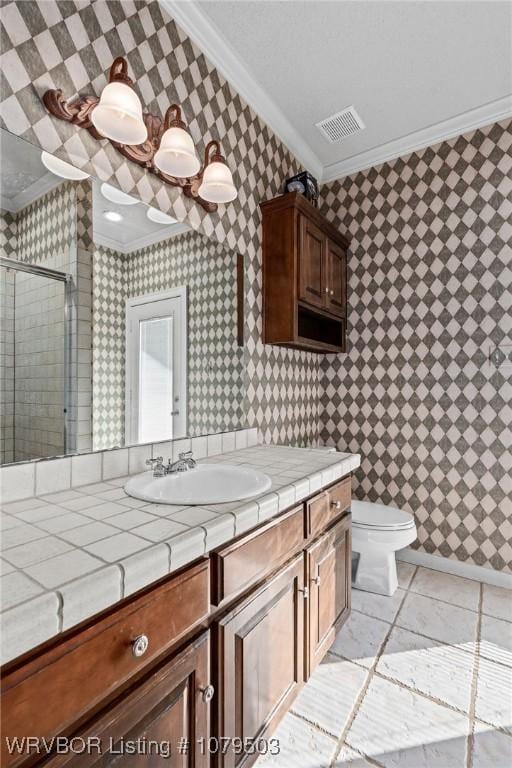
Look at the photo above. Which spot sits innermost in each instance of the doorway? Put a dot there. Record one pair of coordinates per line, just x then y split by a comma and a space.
156, 367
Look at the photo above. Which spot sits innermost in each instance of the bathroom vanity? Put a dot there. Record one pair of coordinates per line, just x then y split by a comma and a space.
218, 648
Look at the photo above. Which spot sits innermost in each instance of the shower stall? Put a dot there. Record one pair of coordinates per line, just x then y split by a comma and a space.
35, 361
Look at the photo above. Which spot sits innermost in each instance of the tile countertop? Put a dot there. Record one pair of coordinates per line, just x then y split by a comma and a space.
66, 556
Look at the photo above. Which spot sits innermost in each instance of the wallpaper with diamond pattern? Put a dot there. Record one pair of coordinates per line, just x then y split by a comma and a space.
71, 45
430, 291
215, 362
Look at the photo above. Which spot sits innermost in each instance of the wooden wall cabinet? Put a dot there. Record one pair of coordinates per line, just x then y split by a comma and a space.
304, 277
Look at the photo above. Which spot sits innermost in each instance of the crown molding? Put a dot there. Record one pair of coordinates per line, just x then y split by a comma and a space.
218, 50
140, 242
426, 137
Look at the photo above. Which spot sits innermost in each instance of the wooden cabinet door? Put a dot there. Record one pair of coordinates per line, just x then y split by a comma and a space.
328, 569
336, 283
169, 707
312, 263
260, 660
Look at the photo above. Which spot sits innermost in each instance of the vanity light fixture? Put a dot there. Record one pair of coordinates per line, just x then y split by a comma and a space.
163, 147
114, 195
159, 217
61, 168
113, 216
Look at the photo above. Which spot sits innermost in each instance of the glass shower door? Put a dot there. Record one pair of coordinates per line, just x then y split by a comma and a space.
33, 363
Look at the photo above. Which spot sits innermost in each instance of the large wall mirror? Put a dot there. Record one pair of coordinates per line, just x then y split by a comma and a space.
119, 325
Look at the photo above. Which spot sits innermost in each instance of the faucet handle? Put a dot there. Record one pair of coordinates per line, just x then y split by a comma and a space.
152, 462
185, 455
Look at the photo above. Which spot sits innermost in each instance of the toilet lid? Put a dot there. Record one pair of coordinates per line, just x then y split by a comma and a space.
365, 514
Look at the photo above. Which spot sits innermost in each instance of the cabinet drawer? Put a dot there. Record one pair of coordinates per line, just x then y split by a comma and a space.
327, 506
48, 694
246, 561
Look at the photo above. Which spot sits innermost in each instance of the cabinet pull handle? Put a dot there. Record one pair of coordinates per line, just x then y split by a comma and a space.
327, 290
332, 293
140, 646
316, 580
208, 693
305, 592
336, 504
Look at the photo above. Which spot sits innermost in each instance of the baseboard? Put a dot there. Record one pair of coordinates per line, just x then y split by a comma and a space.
455, 567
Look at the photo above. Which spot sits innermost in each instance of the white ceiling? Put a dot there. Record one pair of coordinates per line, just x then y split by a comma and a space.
24, 178
417, 72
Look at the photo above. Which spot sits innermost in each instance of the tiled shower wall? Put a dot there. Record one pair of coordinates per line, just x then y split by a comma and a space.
215, 362
46, 233
6, 362
430, 295
71, 46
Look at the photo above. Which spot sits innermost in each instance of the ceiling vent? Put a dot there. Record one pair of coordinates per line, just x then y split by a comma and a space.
341, 125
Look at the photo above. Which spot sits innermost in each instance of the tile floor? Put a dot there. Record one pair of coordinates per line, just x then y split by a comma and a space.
419, 680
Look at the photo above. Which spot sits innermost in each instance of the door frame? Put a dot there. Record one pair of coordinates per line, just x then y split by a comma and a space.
180, 292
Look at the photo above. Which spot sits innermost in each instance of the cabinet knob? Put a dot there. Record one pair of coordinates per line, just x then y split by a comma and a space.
327, 290
316, 580
208, 693
332, 293
140, 646
336, 504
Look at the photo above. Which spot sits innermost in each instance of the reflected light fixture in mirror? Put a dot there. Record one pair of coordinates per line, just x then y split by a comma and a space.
159, 217
61, 168
217, 182
118, 114
176, 155
114, 195
112, 216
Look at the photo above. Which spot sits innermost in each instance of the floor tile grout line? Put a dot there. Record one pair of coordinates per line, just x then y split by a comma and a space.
364, 689
474, 684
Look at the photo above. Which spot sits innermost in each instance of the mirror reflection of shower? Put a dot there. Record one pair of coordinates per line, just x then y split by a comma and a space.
34, 370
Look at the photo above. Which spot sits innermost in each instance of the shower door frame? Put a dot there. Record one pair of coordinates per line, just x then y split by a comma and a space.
66, 278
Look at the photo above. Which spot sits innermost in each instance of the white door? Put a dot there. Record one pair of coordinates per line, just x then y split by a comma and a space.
156, 366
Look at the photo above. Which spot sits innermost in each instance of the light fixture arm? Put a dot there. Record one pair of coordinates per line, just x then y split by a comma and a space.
119, 72
173, 118
78, 112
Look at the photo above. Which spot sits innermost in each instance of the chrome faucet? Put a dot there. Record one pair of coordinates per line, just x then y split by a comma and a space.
184, 463
157, 466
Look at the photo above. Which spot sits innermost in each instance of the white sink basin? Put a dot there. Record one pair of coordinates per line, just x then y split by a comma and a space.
206, 484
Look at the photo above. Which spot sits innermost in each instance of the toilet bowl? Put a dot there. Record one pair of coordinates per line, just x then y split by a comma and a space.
378, 532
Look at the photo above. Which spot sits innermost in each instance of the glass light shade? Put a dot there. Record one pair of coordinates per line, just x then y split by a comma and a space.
159, 217
113, 216
114, 195
176, 155
217, 184
61, 168
118, 115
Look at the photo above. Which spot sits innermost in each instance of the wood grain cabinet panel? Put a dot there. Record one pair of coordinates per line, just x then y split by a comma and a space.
168, 709
312, 263
63, 684
260, 659
328, 569
336, 282
323, 509
249, 559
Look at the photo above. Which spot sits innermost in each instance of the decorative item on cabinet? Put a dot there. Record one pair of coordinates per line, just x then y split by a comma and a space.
305, 184
304, 277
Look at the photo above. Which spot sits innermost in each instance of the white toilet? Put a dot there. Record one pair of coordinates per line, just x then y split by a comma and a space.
377, 533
